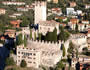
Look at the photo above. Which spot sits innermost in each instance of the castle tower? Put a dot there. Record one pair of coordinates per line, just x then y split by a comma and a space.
40, 11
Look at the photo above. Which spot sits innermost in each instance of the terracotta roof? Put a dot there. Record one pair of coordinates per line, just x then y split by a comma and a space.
73, 19
85, 20
60, 17
88, 31
80, 24
62, 24
15, 22
2, 9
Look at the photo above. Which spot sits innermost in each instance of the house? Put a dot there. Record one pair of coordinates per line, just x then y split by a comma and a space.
22, 9
49, 0
11, 33
72, 4
48, 26
12, 16
25, 8
57, 11
74, 20
70, 11
87, 6
88, 41
81, 27
15, 23
79, 12
2, 11
80, 40
89, 26
62, 18
88, 34
13, 3
85, 21
17, 14
74, 62
2, 37
62, 24
55, 1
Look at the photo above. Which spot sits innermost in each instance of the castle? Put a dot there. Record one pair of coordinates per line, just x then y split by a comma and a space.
38, 53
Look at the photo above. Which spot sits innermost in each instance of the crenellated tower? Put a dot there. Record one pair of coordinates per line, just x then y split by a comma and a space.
40, 11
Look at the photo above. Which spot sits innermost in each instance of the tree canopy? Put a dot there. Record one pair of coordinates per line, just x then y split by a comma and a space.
23, 63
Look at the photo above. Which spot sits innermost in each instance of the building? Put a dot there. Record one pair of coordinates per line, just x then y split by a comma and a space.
79, 12
70, 11
88, 34
74, 20
81, 27
74, 62
85, 21
15, 23
13, 3
79, 40
17, 14
2, 11
25, 8
22, 9
56, 11
49, 0
40, 53
40, 11
72, 4
61, 18
87, 6
55, 1
30, 55
48, 26
10, 33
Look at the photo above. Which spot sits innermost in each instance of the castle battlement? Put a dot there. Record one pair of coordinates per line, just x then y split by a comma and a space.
45, 42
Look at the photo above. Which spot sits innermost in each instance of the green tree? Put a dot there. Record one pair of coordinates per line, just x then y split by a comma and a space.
25, 41
64, 35
59, 20
39, 35
61, 35
64, 51
23, 63
76, 28
76, 53
48, 36
71, 48
60, 66
25, 22
54, 35
30, 34
35, 36
9, 61
19, 40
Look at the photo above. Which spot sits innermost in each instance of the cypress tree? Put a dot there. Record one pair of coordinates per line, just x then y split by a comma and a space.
64, 51
25, 41
19, 39
76, 28
39, 35
54, 35
35, 36
30, 34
